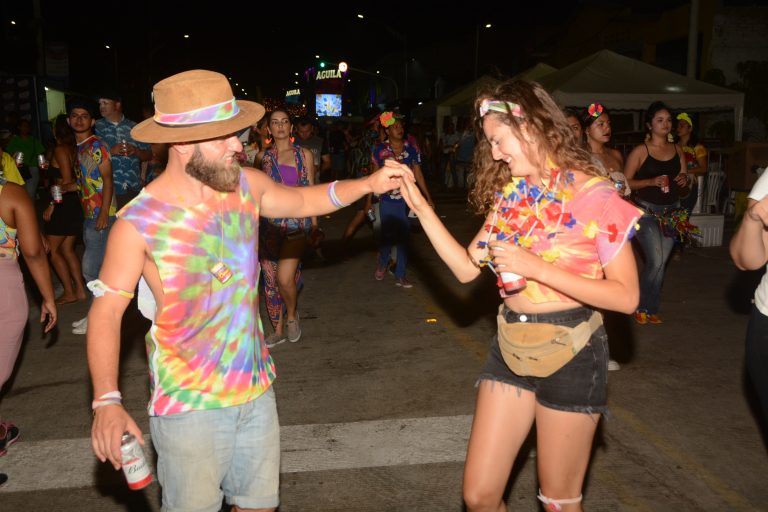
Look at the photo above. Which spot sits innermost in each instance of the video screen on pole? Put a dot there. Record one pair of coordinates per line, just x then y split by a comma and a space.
328, 105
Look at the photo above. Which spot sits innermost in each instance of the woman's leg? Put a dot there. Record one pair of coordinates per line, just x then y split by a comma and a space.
67, 250
388, 215
59, 264
656, 250
272, 298
287, 267
564, 442
503, 418
15, 310
402, 235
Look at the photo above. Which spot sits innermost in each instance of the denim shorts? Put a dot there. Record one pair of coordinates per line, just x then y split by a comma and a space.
579, 386
233, 452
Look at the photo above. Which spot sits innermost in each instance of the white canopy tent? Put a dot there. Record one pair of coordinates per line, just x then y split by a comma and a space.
624, 83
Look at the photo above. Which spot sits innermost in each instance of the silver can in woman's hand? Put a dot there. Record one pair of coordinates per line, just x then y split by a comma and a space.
56, 194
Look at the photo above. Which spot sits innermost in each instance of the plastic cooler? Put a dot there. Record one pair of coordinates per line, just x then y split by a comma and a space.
711, 227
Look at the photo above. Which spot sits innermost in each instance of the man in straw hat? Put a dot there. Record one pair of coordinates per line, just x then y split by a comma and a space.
192, 235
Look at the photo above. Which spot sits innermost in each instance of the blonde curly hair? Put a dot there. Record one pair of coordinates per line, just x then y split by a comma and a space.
543, 122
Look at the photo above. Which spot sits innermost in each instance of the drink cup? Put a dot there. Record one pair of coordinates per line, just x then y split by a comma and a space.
512, 282
19, 158
665, 184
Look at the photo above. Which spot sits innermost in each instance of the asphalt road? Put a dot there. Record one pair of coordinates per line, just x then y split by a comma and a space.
375, 402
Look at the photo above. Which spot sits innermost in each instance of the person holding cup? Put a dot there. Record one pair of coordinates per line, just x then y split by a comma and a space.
554, 218
655, 171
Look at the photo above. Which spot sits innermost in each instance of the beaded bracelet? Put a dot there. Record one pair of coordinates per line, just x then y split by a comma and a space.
333, 197
111, 398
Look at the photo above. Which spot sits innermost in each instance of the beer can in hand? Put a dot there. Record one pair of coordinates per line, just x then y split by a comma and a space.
512, 282
56, 194
42, 162
665, 183
370, 215
135, 465
18, 158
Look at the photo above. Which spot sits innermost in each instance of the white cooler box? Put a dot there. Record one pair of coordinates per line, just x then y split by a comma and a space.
711, 227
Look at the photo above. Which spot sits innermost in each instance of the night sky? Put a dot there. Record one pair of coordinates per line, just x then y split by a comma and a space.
263, 47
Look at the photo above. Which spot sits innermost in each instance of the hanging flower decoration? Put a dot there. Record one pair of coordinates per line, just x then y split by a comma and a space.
675, 224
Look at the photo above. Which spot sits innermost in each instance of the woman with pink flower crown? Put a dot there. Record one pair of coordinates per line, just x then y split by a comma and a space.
555, 233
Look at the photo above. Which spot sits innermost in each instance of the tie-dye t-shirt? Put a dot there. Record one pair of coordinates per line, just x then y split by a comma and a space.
206, 346
90, 153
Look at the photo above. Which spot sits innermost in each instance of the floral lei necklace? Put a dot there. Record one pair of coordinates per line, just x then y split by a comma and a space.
531, 216
524, 213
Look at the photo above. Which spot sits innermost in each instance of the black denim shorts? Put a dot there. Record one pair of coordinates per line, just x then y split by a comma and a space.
579, 386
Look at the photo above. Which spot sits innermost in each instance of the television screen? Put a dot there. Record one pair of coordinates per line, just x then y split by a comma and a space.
328, 105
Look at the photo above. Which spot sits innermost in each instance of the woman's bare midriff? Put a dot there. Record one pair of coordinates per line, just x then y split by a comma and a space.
520, 304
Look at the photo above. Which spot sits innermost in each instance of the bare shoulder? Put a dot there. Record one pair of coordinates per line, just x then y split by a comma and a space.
307, 155
258, 181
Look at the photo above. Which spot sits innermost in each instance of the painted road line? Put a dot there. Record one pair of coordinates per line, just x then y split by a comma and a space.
70, 463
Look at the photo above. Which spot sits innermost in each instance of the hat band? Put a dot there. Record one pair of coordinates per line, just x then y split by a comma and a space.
218, 112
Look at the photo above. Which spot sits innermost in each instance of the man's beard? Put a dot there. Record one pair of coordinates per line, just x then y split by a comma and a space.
217, 175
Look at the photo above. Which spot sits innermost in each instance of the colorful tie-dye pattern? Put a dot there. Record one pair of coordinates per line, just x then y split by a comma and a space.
219, 112
90, 153
206, 345
9, 246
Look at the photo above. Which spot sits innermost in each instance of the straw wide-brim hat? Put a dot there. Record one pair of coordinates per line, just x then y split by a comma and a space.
196, 105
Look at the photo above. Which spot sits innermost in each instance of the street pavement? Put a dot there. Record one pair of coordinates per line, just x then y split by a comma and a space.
376, 399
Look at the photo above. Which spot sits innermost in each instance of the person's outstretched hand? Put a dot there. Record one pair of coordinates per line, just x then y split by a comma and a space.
389, 177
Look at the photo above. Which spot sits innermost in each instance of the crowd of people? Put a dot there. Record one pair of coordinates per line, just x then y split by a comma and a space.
220, 207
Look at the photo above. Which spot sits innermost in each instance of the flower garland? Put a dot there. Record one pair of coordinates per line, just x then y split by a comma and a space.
531, 216
675, 224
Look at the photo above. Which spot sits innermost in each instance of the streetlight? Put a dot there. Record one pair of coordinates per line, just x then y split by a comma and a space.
477, 44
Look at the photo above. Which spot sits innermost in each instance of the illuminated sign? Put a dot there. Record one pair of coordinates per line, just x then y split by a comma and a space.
328, 73
293, 92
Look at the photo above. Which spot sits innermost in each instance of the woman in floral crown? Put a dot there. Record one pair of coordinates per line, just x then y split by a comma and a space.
556, 233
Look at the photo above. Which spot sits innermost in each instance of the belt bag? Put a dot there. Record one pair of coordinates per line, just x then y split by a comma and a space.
539, 350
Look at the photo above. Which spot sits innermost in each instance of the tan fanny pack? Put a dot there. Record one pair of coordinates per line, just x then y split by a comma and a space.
539, 350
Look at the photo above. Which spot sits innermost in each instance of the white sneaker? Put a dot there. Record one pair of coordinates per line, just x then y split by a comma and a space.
275, 339
613, 366
78, 323
81, 328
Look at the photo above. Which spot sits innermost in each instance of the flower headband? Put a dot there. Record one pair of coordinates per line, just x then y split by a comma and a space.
388, 118
505, 107
595, 110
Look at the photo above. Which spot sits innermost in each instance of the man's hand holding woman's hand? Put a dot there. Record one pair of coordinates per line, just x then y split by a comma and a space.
390, 176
